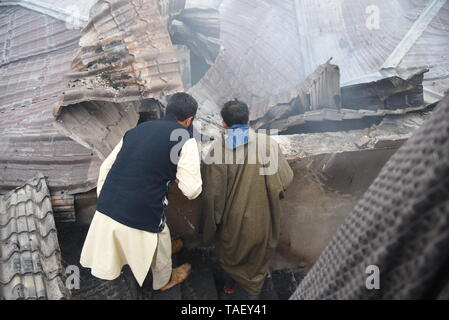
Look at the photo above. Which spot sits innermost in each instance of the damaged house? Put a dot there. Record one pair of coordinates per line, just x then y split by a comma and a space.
75, 76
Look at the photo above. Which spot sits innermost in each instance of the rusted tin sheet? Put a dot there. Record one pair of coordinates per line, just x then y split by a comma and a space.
35, 52
30, 257
125, 56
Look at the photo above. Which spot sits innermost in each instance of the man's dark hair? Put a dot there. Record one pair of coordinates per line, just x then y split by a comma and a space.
149, 110
182, 106
235, 112
146, 117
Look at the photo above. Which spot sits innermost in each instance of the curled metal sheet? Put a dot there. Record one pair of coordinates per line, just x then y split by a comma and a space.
125, 56
267, 48
320, 90
272, 46
260, 56
319, 98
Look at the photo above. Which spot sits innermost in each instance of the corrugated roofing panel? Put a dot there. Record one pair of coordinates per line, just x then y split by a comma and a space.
30, 258
125, 56
271, 46
65, 10
36, 52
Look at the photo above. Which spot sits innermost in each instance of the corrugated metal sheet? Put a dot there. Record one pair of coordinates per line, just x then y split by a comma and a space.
389, 93
125, 55
199, 29
268, 48
431, 51
271, 46
36, 51
319, 99
30, 258
320, 90
261, 55
75, 13
336, 115
170, 8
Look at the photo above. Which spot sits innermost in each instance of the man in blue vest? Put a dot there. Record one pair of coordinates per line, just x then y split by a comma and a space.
129, 227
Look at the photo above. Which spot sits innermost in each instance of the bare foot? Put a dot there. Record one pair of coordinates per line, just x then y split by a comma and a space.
178, 276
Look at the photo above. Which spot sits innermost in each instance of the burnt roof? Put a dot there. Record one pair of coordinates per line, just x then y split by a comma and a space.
270, 47
37, 52
267, 49
125, 56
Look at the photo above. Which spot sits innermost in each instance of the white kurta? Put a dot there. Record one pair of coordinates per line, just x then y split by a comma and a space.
110, 245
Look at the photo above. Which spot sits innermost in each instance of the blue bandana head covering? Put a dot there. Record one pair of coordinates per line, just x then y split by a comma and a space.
237, 136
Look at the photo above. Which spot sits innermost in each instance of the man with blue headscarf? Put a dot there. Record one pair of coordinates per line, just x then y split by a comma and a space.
244, 176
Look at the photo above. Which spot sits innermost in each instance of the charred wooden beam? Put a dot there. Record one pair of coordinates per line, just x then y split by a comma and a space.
63, 207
